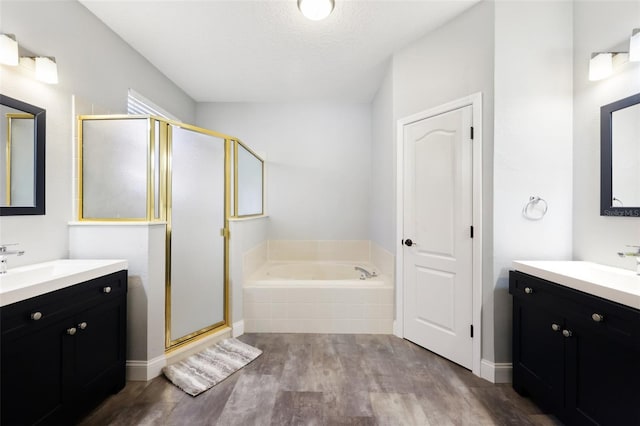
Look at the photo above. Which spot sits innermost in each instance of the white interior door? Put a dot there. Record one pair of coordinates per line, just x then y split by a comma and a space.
438, 219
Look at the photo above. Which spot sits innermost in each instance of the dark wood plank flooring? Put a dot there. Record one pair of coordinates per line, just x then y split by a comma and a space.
317, 379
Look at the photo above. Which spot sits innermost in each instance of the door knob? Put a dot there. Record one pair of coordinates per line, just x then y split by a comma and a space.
408, 242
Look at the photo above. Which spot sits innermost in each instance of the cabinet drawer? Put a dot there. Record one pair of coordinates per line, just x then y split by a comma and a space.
611, 319
39, 311
540, 292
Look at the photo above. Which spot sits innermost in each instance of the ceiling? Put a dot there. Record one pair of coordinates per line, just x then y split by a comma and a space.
266, 51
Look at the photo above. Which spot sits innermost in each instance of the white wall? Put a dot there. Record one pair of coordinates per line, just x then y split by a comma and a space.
532, 143
382, 216
317, 165
599, 26
94, 64
453, 62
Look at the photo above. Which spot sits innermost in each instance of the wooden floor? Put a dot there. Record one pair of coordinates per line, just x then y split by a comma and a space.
315, 379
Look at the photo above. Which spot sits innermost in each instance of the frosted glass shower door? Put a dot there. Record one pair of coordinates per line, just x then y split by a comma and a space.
197, 249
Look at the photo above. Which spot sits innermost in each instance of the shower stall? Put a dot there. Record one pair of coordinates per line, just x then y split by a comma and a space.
192, 180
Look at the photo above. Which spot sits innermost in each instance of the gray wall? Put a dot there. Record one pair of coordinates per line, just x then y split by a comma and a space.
599, 26
318, 159
383, 167
95, 65
532, 144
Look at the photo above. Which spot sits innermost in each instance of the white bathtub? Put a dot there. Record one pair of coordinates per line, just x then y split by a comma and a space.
317, 297
315, 273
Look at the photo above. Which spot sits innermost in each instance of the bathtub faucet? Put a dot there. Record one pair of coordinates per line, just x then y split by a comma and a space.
365, 274
3, 256
635, 254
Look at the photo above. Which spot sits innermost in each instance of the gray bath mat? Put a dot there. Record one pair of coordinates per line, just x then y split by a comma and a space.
207, 368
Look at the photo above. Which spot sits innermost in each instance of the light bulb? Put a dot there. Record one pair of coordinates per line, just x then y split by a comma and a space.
316, 10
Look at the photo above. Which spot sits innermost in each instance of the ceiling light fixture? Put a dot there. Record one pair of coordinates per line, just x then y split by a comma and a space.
634, 45
46, 69
316, 10
9, 50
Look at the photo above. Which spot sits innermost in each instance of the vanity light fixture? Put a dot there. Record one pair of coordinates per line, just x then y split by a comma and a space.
9, 50
634, 45
602, 64
316, 10
46, 69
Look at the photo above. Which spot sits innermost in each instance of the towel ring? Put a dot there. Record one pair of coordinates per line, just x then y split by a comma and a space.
533, 201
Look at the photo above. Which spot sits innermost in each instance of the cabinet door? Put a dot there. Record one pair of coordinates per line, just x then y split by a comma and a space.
538, 354
33, 378
602, 378
100, 351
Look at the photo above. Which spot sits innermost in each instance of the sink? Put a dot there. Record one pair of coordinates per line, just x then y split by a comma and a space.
615, 284
33, 280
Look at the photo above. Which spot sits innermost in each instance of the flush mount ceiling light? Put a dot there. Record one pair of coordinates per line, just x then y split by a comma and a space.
9, 50
634, 45
46, 69
316, 10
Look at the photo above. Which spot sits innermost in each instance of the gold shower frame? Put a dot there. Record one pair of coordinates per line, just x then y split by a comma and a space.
163, 213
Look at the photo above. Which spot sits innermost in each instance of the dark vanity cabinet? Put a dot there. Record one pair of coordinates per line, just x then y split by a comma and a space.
576, 355
63, 352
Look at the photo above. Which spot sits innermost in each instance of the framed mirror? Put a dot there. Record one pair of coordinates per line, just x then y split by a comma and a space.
620, 158
22, 154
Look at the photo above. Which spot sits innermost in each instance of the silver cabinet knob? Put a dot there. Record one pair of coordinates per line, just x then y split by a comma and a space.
555, 327
528, 290
567, 333
71, 331
597, 317
106, 290
82, 325
36, 316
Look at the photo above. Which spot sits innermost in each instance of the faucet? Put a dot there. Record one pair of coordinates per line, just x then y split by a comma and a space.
365, 274
3, 256
635, 254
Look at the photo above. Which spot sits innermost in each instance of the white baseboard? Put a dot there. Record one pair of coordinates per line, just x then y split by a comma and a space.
496, 372
237, 328
396, 329
143, 371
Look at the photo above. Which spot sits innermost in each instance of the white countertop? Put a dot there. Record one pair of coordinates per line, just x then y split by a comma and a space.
24, 282
615, 284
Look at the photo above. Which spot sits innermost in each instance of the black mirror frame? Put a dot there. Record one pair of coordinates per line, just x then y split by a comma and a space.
40, 118
606, 159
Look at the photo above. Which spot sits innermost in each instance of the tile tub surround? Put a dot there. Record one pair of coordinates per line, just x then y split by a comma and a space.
318, 310
339, 307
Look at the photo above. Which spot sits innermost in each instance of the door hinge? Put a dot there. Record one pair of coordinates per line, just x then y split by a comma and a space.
471, 329
224, 232
471, 132
471, 231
